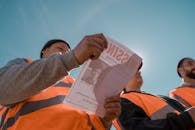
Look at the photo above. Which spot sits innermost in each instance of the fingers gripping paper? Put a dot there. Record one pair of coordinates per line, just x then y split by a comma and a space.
102, 78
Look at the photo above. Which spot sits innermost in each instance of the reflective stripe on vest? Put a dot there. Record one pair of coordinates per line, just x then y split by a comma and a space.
29, 107
173, 103
184, 95
62, 84
154, 107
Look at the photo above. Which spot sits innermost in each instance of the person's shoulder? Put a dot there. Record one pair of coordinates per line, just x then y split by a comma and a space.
12, 63
17, 61
143, 93
178, 88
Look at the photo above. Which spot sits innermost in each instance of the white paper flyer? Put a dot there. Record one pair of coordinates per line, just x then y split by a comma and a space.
102, 78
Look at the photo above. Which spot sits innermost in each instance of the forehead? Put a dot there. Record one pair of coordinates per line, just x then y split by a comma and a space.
60, 44
187, 61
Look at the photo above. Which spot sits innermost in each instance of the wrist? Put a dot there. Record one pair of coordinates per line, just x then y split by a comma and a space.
70, 60
107, 124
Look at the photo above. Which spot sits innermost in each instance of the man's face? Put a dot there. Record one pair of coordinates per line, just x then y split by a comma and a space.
136, 81
188, 67
58, 47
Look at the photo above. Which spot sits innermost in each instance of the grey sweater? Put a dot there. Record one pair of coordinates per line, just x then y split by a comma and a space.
20, 80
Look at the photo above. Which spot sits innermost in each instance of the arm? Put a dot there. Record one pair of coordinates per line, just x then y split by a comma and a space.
20, 80
134, 118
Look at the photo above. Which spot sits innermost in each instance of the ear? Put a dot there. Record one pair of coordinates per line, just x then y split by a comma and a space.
181, 71
44, 52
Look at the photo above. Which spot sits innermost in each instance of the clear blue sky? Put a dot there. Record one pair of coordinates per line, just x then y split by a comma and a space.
161, 31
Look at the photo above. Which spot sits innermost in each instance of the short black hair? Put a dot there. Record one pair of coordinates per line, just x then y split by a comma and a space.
51, 42
180, 63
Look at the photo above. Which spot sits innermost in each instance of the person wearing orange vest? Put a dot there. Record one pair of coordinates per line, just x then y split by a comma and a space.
185, 93
33, 96
144, 111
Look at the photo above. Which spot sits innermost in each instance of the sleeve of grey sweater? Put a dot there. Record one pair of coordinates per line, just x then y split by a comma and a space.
20, 80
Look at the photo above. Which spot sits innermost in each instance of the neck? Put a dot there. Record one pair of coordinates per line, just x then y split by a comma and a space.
190, 82
133, 89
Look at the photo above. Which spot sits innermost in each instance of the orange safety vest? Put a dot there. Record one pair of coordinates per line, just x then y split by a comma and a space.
46, 111
153, 106
185, 95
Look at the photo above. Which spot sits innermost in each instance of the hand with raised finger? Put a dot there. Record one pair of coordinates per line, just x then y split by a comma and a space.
90, 47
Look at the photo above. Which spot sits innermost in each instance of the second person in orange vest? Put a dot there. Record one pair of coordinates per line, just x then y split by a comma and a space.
33, 97
185, 93
144, 111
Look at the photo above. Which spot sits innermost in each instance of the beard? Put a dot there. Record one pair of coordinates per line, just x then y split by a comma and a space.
190, 74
